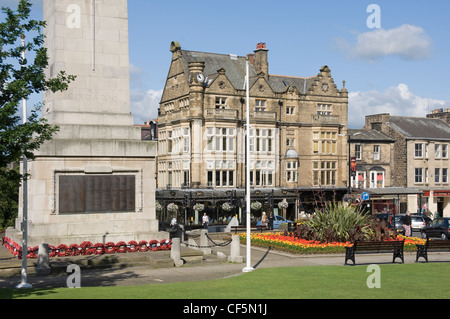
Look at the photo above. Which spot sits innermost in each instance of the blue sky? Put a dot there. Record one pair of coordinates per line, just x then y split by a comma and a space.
401, 68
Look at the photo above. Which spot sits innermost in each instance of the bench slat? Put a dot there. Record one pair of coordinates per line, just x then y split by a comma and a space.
394, 247
431, 245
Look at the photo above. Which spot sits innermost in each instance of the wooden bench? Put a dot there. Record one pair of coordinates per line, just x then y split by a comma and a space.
431, 245
243, 227
375, 247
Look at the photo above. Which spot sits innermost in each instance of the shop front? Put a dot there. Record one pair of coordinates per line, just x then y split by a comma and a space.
437, 202
189, 205
389, 200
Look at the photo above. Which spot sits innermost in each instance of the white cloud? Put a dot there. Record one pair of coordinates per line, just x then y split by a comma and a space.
144, 105
408, 42
397, 100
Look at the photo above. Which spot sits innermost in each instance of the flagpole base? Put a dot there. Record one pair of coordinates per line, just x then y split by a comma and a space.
248, 269
23, 285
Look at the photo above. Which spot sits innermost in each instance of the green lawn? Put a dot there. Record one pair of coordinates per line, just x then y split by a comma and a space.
405, 281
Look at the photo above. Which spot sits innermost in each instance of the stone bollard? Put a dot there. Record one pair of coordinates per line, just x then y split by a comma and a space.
175, 252
204, 242
235, 254
43, 266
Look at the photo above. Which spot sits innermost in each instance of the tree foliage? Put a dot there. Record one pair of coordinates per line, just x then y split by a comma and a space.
19, 79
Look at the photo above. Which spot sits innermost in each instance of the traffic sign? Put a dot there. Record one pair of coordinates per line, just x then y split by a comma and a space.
365, 196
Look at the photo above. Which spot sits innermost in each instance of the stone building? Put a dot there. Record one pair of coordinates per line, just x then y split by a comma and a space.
297, 136
95, 181
420, 159
373, 152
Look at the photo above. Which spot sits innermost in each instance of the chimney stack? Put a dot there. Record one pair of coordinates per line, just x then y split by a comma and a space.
251, 58
260, 62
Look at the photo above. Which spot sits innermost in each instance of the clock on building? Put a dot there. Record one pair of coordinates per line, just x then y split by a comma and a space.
200, 78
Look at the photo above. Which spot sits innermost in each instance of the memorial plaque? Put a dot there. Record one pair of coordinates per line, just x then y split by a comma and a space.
96, 193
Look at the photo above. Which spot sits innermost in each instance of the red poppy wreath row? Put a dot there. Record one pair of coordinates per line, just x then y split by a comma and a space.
87, 248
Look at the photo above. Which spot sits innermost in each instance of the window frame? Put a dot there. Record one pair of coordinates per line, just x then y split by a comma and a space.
416, 175
418, 153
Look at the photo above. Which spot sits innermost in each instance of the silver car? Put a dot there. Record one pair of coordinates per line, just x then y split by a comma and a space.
418, 222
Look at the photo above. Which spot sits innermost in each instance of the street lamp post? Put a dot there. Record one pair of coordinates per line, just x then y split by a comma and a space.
248, 268
23, 283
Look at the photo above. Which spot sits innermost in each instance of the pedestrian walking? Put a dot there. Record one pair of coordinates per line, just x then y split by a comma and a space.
407, 224
264, 219
205, 221
270, 221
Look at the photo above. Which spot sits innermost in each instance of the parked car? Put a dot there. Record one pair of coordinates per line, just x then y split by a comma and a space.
277, 221
439, 228
398, 223
418, 222
427, 219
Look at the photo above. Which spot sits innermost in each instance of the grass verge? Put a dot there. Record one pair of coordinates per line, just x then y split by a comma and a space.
398, 281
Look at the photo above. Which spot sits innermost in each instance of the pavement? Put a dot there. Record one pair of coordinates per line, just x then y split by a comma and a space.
142, 268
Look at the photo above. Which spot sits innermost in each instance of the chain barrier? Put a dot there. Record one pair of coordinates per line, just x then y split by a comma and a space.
221, 244
214, 243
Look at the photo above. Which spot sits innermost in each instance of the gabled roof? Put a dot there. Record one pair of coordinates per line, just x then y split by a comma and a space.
234, 66
420, 127
368, 136
280, 83
235, 69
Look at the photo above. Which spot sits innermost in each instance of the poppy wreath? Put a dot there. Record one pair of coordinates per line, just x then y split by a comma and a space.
132, 246
121, 247
109, 247
153, 245
17, 248
61, 250
11, 246
32, 253
143, 245
52, 251
168, 244
98, 248
86, 248
74, 250
14, 248
165, 244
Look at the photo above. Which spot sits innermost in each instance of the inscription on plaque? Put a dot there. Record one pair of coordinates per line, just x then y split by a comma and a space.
97, 193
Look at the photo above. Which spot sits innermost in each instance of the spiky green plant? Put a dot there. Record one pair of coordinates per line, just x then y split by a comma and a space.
339, 223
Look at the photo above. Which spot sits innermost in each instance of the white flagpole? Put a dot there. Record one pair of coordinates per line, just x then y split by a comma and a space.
24, 283
247, 165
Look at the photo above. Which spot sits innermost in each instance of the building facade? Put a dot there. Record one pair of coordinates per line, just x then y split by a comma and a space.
420, 159
297, 136
372, 151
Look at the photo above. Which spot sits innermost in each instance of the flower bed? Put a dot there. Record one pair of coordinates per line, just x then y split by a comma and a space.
279, 241
87, 248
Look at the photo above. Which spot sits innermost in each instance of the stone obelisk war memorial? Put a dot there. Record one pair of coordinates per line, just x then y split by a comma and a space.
95, 181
